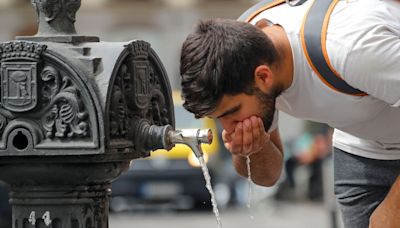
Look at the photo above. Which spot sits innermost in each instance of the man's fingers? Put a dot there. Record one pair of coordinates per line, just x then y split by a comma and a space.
226, 137
237, 139
228, 146
247, 136
257, 131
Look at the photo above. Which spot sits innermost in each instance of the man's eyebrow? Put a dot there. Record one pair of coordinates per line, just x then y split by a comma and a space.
230, 111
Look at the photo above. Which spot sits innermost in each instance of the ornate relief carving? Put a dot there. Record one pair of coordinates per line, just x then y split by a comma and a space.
66, 116
72, 7
21, 50
159, 111
141, 83
52, 8
19, 66
52, 84
118, 109
139, 49
3, 123
19, 86
60, 99
140, 92
137, 94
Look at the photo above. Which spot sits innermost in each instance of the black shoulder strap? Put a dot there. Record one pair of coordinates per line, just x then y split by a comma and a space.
313, 37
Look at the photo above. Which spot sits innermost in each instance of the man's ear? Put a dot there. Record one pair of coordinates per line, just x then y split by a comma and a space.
263, 78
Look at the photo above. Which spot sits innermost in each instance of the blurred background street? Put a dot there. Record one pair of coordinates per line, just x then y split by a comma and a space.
168, 188
282, 215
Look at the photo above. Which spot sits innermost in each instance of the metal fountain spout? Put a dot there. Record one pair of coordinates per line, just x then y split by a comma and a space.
153, 137
192, 138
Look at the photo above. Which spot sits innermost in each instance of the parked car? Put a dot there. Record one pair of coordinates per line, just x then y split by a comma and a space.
173, 179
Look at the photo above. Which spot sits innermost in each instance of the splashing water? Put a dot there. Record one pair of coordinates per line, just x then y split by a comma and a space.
209, 187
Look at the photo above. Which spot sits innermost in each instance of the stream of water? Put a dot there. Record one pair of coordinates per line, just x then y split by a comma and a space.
210, 189
249, 182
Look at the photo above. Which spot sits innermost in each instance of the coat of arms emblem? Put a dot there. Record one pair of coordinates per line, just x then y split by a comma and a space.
19, 69
19, 86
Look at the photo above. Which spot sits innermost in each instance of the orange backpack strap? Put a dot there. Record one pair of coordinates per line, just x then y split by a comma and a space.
313, 35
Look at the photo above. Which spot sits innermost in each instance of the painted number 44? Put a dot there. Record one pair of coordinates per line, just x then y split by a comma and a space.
45, 217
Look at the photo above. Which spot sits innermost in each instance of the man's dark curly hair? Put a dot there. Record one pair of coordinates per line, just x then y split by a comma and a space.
219, 58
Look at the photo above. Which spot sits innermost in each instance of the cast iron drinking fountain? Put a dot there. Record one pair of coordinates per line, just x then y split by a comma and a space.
74, 113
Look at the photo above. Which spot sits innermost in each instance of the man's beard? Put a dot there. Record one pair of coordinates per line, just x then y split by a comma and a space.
267, 104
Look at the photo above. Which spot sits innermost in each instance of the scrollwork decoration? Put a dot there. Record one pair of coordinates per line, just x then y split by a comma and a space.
49, 121
52, 83
66, 116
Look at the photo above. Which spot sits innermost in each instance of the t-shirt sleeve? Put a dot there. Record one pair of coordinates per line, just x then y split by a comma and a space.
374, 67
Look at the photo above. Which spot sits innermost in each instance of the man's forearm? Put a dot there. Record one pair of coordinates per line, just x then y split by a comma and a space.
386, 215
265, 166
